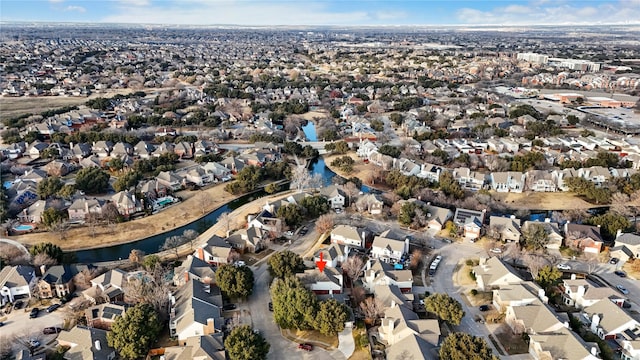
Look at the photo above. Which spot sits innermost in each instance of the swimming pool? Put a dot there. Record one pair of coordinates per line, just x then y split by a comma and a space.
23, 227
7, 184
164, 201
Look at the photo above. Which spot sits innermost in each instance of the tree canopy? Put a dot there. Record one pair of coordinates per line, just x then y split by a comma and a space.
609, 223
244, 344
291, 213
458, 346
285, 263
331, 317
133, 334
548, 276
49, 249
92, 180
535, 237
445, 307
52, 216
49, 186
235, 281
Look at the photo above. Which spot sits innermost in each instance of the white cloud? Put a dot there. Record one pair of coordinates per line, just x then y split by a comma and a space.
200, 12
555, 13
56, 1
136, 2
75, 8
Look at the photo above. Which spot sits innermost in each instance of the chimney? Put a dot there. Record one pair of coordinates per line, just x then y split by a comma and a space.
209, 328
547, 220
581, 290
595, 322
43, 269
618, 233
200, 254
362, 241
390, 325
573, 276
186, 276
512, 217
97, 344
393, 303
594, 351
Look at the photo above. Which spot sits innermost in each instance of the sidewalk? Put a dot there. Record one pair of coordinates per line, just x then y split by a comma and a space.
346, 345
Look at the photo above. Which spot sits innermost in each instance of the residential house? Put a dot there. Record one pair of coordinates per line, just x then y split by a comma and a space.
327, 282
389, 249
585, 238
561, 344
36, 148
540, 181
493, 273
335, 196
266, 220
334, 255
152, 190
163, 148
630, 350
86, 344
169, 180
609, 320
220, 173
515, 295
437, 216
629, 241
197, 175
250, 240
469, 180
183, 150
377, 273
122, 149
430, 172
400, 323
80, 150
596, 174
196, 309
507, 229
215, 251
390, 295
232, 163
507, 181
470, 221
57, 280
34, 175
16, 283
581, 293
412, 347
203, 147
127, 203
369, 203
144, 149
193, 268
533, 318
203, 347
90, 162
108, 287
554, 237
82, 207
102, 316
365, 148
348, 236
560, 177
58, 168
33, 214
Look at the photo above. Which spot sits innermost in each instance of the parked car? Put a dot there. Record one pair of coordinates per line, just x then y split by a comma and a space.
305, 346
484, 308
1, 323
270, 306
229, 307
53, 308
51, 330
620, 273
289, 233
34, 313
496, 251
614, 260
34, 343
622, 289
563, 267
239, 263
18, 305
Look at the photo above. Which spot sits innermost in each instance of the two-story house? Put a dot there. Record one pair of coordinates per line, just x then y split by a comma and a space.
507, 181
16, 282
349, 236
216, 251
389, 249
195, 309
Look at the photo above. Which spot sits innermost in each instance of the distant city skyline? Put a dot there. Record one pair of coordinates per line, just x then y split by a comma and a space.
328, 12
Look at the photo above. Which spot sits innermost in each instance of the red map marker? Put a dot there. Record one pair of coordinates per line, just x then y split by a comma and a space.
321, 264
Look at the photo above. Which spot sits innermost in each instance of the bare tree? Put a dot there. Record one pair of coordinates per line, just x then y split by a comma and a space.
352, 268
351, 190
325, 223
534, 262
591, 260
172, 243
92, 220
419, 219
204, 202
358, 294
301, 178
43, 259
226, 221
621, 204
60, 227
151, 289
82, 280
372, 309
136, 256
190, 236
13, 255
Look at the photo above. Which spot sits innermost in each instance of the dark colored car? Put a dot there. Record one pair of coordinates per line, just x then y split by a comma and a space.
270, 306
305, 347
34, 313
484, 307
18, 305
53, 308
1, 323
229, 307
51, 330
620, 273
614, 261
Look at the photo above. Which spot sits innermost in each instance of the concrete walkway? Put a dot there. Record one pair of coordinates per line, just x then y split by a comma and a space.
346, 345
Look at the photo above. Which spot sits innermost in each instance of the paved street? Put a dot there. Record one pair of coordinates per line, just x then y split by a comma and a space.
18, 324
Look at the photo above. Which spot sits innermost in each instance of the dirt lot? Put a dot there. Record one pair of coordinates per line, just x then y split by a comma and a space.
360, 169
177, 215
542, 201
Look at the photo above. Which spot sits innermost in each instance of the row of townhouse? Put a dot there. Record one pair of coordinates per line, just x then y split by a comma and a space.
525, 306
503, 181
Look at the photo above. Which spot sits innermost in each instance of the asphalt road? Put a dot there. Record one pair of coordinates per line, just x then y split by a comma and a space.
18, 324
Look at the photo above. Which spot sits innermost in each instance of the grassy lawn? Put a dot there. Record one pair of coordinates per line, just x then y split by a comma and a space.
482, 297
311, 336
251, 259
513, 344
361, 354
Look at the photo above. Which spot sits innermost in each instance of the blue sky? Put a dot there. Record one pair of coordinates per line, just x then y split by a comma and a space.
325, 12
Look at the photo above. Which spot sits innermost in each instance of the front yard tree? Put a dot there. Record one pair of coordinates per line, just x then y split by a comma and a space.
49, 186
92, 180
291, 213
548, 276
133, 334
325, 223
294, 306
464, 346
352, 268
52, 216
315, 205
235, 281
535, 237
285, 263
244, 344
372, 309
445, 307
49, 249
331, 317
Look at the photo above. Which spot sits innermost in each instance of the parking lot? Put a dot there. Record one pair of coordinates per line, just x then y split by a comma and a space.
18, 325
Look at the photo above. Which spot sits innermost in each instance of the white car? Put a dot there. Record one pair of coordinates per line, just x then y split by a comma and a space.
563, 267
496, 251
239, 263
